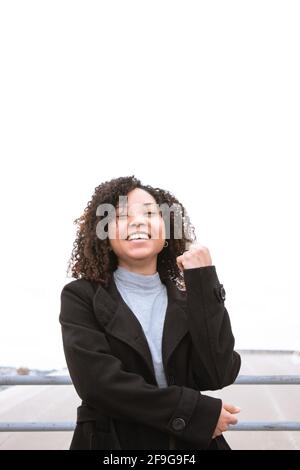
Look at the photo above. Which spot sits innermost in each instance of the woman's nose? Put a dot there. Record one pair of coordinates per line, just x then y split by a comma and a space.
137, 219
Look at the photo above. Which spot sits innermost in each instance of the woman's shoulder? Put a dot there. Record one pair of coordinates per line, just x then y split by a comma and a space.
81, 287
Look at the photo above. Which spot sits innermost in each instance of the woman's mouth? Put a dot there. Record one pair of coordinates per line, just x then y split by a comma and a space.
138, 237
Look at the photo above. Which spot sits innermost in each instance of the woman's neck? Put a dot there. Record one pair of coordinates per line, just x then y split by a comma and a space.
136, 282
139, 266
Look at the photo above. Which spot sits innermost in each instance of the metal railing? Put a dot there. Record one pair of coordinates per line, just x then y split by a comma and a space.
70, 426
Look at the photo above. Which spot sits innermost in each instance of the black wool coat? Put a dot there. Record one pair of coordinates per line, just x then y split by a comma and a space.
111, 367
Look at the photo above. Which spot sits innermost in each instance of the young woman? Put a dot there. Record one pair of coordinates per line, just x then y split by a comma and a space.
144, 326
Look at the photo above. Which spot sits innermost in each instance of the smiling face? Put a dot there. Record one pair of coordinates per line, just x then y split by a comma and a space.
137, 234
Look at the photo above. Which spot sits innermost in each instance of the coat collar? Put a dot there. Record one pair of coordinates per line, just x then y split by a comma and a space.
119, 321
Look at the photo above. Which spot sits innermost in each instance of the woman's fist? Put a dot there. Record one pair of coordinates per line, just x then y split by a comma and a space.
226, 418
197, 256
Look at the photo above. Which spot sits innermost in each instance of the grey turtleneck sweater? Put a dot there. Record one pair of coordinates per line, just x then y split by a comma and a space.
147, 297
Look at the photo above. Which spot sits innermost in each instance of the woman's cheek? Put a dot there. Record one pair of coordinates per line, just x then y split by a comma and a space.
156, 230
162, 229
117, 231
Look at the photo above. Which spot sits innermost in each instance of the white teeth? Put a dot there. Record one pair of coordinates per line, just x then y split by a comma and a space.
137, 236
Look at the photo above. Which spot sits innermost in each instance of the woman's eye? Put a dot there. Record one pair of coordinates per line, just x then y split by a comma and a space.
151, 213
148, 213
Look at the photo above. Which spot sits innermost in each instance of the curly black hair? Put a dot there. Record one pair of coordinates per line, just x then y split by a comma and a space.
91, 257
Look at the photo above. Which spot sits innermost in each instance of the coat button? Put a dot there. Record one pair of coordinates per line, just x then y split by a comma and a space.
178, 424
220, 293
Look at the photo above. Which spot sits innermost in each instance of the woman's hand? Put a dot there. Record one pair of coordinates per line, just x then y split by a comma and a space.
226, 417
197, 256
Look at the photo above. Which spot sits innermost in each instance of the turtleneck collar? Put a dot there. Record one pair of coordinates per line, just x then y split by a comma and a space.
134, 281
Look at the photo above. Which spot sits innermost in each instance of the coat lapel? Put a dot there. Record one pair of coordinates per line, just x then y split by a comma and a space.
176, 322
117, 318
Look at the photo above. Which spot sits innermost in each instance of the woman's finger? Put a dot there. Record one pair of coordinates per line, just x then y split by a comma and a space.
231, 408
179, 262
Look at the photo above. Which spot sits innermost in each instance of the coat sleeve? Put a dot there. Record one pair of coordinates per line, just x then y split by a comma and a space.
101, 381
215, 364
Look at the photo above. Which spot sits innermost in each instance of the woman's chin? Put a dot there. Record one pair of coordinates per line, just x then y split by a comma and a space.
140, 253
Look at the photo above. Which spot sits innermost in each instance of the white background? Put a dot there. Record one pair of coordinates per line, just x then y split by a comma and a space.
200, 98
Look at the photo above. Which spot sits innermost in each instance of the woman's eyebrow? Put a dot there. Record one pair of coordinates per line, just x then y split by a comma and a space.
143, 204
153, 205
156, 204
125, 207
